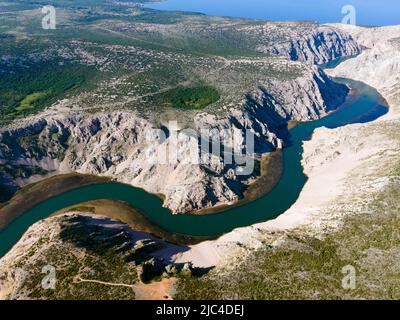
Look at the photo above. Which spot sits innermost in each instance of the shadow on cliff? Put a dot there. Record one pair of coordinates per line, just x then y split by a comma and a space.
110, 239
264, 112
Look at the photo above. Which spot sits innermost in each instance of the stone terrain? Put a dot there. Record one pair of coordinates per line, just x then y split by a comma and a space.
93, 257
324, 44
348, 161
353, 163
122, 144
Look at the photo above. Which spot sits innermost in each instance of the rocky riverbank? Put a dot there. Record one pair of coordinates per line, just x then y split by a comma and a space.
123, 146
347, 160
353, 163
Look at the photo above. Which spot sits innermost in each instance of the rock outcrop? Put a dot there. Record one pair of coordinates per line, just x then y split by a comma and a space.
379, 64
127, 148
67, 257
322, 45
356, 161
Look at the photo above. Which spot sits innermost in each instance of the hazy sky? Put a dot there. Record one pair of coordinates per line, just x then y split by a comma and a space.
369, 12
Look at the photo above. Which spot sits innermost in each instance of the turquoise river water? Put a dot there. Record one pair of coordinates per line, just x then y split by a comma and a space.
364, 107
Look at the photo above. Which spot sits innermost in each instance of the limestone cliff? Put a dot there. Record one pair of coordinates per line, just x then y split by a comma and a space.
356, 161
379, 64
122, 145
322, 45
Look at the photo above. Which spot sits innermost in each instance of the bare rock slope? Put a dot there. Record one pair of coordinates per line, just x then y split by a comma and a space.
322, 45
125, 147
353, 163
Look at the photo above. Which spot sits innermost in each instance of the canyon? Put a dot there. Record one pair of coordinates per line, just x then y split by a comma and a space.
124, 146
355, 163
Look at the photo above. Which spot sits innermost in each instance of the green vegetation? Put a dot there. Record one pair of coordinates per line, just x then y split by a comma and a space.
5, 195
23, 91
55, 136
28, 102
108, 56
89, 251
191, 97
310, 268
21, 171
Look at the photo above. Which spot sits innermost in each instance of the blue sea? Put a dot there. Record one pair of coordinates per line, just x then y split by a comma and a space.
367, 12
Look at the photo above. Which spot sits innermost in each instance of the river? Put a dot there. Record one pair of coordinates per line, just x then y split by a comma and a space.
366, 106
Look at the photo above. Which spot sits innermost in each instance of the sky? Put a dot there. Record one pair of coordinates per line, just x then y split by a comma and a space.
368, 12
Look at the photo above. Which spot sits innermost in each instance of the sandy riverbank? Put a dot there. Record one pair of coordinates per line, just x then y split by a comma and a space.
121, 211
34, 193
334, 160
271, 167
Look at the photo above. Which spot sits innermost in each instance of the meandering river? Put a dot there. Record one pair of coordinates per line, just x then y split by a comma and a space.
365, 106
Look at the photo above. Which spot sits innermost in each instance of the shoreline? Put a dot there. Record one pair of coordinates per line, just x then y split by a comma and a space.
42, 190
37, 192
271, 168
123, 212
32, 194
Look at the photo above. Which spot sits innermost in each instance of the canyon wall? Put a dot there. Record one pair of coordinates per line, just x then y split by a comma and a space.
125, 147
324, 44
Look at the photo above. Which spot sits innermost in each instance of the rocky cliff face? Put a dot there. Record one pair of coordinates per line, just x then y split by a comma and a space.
379, 64
127, 148
356, 161
322, 45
